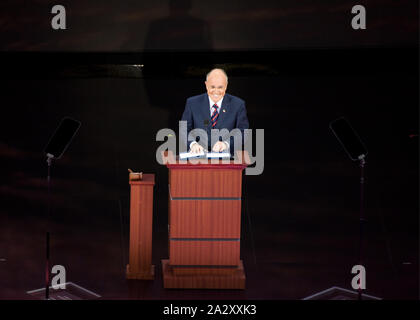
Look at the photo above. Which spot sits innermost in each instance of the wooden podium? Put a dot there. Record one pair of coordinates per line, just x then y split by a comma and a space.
204, 224
141, 218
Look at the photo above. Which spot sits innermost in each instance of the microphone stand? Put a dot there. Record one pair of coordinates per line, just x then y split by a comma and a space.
47, 265
362, 219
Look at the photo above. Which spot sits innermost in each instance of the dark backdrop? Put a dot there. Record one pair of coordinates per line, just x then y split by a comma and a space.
136, 25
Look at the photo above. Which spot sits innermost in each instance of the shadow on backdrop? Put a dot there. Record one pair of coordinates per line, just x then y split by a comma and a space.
179, 31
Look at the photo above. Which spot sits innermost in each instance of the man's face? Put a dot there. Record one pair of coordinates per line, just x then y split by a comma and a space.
216, 85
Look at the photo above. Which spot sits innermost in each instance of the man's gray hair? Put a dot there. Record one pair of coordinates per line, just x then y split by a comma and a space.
218, 69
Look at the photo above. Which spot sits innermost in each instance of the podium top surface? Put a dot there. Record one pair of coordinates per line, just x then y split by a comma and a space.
242, 161
148, 178
183, 164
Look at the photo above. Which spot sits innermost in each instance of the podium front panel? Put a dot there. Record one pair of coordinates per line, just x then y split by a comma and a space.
205, 183
205, 219
204, 226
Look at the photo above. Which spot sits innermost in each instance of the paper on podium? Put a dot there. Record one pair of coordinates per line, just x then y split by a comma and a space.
187, 155
218, 155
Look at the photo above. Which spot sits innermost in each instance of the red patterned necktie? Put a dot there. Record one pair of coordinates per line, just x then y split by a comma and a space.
214, 116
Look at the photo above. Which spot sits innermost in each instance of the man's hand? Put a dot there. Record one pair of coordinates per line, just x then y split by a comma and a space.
196, 148
219, 146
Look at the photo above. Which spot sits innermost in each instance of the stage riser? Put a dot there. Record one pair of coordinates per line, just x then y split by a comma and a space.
206, 253
171, 280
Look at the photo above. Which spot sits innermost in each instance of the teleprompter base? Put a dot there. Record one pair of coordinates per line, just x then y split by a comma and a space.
142, 275
200, 280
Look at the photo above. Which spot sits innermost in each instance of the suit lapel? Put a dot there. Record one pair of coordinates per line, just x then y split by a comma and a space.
205, 110
222, 114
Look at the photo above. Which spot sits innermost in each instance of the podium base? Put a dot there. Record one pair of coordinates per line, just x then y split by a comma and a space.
201, 279
142, 275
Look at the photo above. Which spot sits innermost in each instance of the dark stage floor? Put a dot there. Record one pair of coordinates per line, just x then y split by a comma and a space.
290, 249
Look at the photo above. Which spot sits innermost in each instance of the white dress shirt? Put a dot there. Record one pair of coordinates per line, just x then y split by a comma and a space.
219, 105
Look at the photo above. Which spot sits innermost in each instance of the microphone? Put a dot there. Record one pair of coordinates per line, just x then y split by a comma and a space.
206, 122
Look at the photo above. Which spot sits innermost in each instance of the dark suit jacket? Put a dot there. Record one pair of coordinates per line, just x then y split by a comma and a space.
232, 115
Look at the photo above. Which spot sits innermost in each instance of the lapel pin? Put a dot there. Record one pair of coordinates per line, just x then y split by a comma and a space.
224, 110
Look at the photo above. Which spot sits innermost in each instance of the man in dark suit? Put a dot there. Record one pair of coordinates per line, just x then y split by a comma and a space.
215, 110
